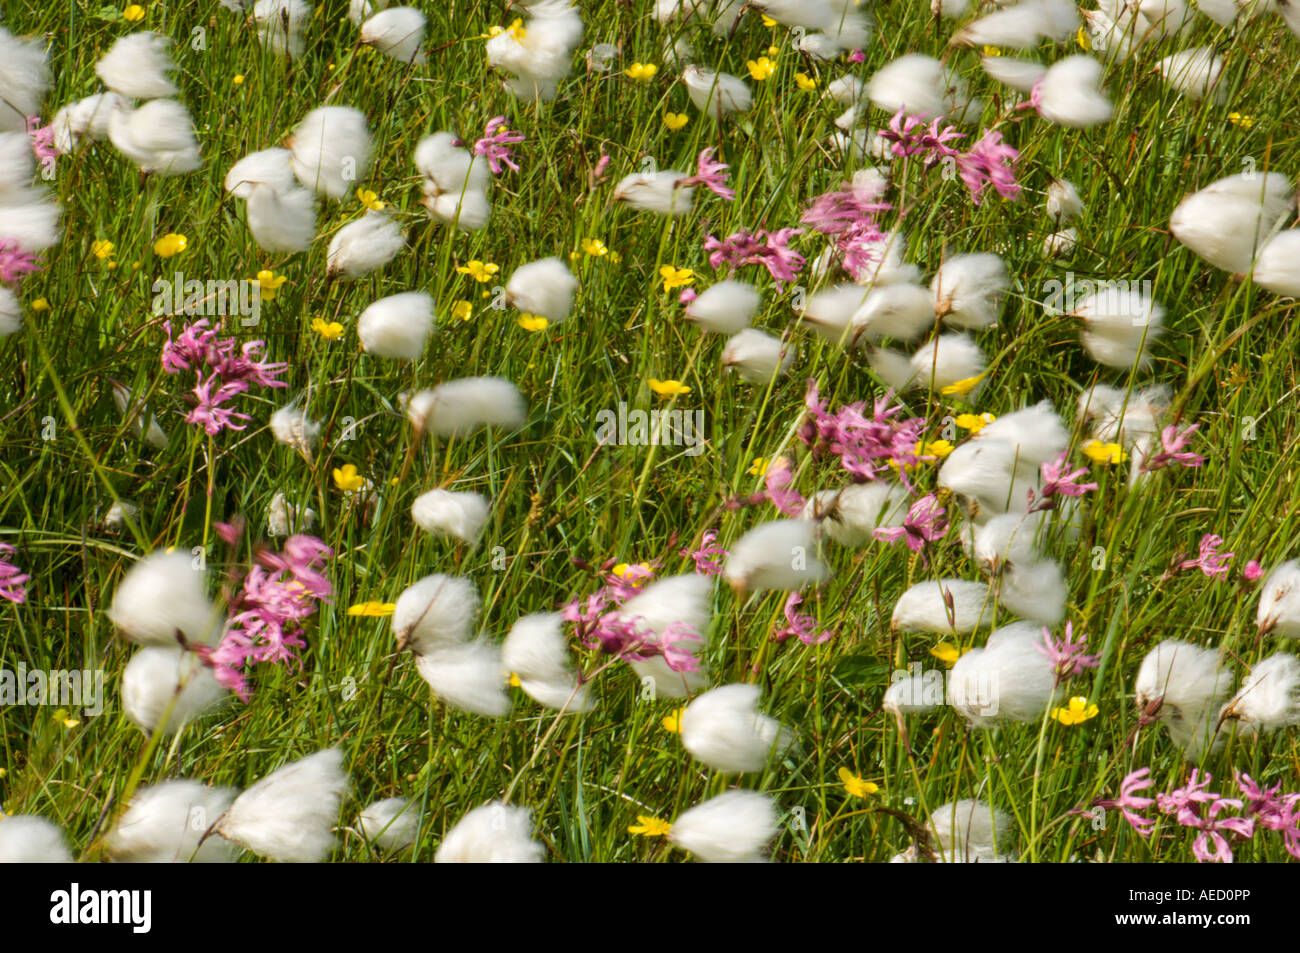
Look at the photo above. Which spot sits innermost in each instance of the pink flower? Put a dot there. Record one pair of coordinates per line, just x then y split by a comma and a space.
687, 296
707, 556
865, 445
857, 56
1253, 571
925, 523
799, 625
1058, 480
495, 145
777, 484
1066, 655
15, 262
931, 142
1273, 811
671, 646
1210, 561
1129, 804
223, 372
1172, 442
769, 249
1210, 845
42, 138
11, 579
989, 162
712, 175
1194, 793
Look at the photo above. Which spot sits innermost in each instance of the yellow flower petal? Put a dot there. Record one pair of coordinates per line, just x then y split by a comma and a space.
372, 609
1108, 453
650, 827
669, 388
170, 244
672, 723
675, 121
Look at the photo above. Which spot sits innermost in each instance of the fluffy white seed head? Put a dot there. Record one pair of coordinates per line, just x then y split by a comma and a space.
461, 515
397, 32
281, 221
1018, 74
970, 830
390, 824
901, 311
1063, 202
24, 80
1037, 432
851, 514
266, 167
716, 94
685, 599
86, 117
280, 25
1269, 697
968, 290
726, 307
287, 816
28, 839
331, 150
1191, 687
943, 606
915, 83
1227, 221
536, 652
160, 595
449, 167
365, 245
724, 729
656, 192
435, 611
139, 66
947, 359
1034, 590
545, 287
1195, 73
1005, 540
1277, 267
398, 326
780, 554
284, 519
492, 834
1007, 680
466, 676
730, 828
757, 356
1279, 601
461, 406
165, 822
292, 427
1071, 95
165, 687
158, 137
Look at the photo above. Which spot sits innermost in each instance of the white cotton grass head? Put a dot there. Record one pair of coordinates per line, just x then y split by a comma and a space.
1226, 222
359, 11
1008, 539
1269, 697
293, 427
656, 192
460, 515
1289, 11
135, 412
1279, 602
684, 599
943, 606
900, 312
726, 307
281, 221
451, 168
271, 167
1277, 267
397, 32
1060, 244
33, 225
165, 823
757, 356
1195, 73
495, 833
288, 815
462, 406
331, 150
280, 24
971, 831
398, 326
1009, 679
469, 210
1063, 202
139, 66
1130, 418
780, 554
29, 839
1037, 433
1021, 26
119, 514
466, 676
1191, 688
284, 519
162, 594
17, 163
1120, 325
542, 55
1034, 590
968, 290
731, 828
435, 611
537, 654
947, 360
158, 137
988, 477
851, 514
716, 94
24, 80
1070, 93
914, 83
544, 287
86, 118
363, 246
724, 730
11, 313
165, 687
829, 312
390, 824
1020, 75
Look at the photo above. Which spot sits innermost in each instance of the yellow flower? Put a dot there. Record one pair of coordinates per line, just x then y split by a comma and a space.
668, 388
855, 785
948, 653
1109, 453
992, 51
462, 310
237, 78
1082, 38
533, 322
767, 21
962, 387
594, 247
761, 68
1077, 713
675, 277
514, 680
372, 608
650, 827
675, 121
269, 284
805, 82
933, 448
480, 271
170, 244
329, 330
641, 72
370, 199
347, 479
515, 29
1241, 119
621, 569
973, 422
40, 304
672, 723
101, 249
772, 51
758, 467
133, 14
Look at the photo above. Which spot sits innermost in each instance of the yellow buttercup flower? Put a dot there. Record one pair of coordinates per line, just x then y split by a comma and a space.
515, 29
621, 569
672, 723
933, 448
513, 680
329, 330
641, 72
480, 271
948, 653
1241, 119
1076, 713
462, 310
973, 422
347, 479
675, 277
805, 82
760, 69
40, 304
768, 21
133, 14
268, 283
1082, 38
855, 785
675, 121
237, 78
758, 467
170, 244
962, 387
533, 322
1108, 453
992, 51
372, 608
594, 247
370, 199
650, 827
668, 388
101, 248
772, 51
